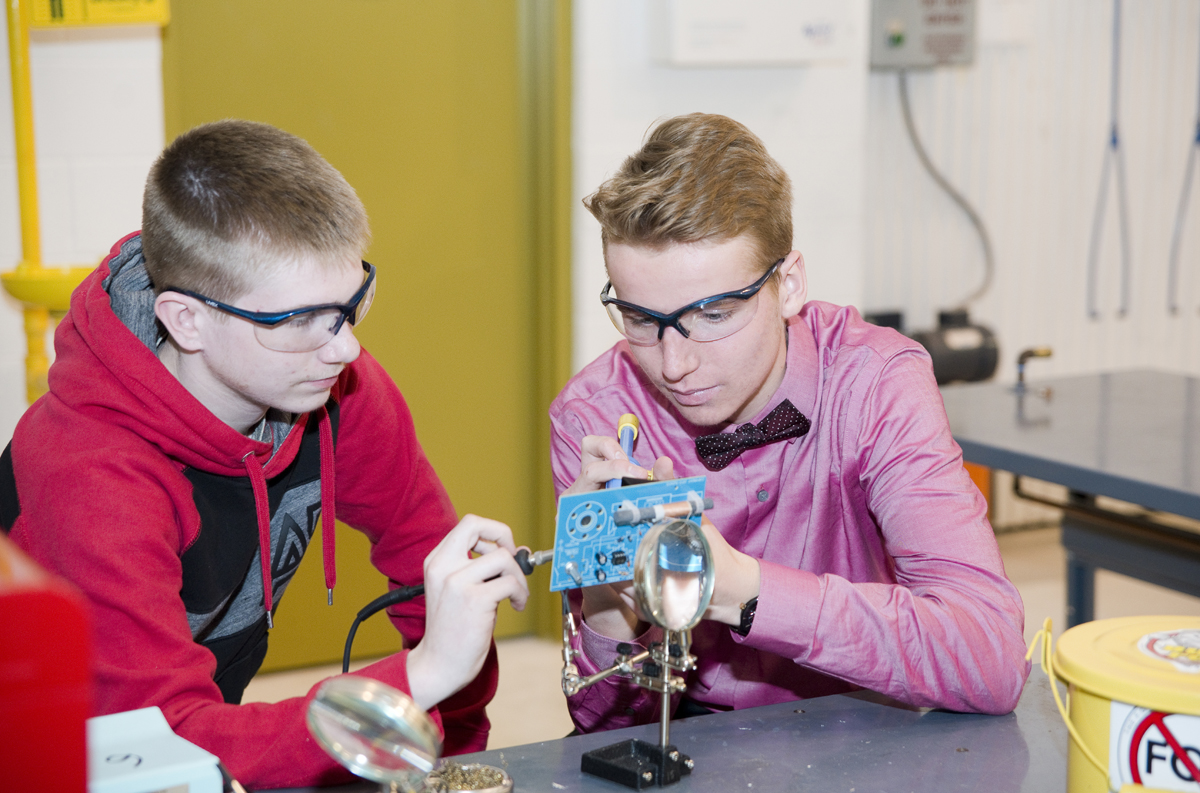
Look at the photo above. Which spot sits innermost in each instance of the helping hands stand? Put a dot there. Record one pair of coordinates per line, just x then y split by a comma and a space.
673, 586
636, 763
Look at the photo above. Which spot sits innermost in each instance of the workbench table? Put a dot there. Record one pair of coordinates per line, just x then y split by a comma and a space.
856, 743
1132, 436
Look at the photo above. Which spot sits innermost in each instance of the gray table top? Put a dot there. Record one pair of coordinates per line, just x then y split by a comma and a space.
1133, 435
841, 743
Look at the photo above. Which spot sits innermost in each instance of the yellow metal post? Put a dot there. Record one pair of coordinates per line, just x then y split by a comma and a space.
22, 97
41, 289
37, 363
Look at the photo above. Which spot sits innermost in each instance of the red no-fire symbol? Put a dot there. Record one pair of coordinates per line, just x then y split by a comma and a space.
1150, 759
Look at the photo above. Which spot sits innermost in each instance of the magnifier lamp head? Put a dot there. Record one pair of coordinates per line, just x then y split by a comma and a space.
374, 730
673, 574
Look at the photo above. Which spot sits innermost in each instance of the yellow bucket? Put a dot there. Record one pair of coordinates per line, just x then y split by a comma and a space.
1134, 702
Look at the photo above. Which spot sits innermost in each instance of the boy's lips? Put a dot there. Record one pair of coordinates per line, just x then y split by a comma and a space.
328, 382
692, 397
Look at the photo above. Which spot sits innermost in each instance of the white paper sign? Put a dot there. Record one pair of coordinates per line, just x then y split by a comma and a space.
1152, 749
136, 752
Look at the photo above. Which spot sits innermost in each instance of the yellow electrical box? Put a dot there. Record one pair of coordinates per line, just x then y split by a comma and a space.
74, 13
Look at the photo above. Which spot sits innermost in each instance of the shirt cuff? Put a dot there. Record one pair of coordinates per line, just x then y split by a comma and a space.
789, 605
601, 650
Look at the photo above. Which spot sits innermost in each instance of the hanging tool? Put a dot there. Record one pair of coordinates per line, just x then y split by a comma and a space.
960, 350
1112, 154
985, 241
1180, 213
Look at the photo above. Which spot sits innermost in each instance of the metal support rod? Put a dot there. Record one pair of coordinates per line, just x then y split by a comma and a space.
664, 726
626, 667
1084, 505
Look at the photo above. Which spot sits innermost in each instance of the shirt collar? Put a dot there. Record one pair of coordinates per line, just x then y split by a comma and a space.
799, 384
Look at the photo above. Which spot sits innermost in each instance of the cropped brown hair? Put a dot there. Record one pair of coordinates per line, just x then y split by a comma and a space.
697, 177
227, 200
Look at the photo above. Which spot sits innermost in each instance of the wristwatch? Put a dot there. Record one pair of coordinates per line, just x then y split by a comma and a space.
748, 609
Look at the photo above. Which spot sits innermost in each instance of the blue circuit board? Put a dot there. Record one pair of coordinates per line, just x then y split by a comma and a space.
590, 548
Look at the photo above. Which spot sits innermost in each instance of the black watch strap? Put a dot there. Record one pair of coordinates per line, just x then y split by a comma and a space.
748, 609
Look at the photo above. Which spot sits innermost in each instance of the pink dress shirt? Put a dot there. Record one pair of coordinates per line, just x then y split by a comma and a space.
879, 568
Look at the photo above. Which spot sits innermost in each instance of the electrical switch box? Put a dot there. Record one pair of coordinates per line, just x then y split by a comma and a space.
720, 33
921, 34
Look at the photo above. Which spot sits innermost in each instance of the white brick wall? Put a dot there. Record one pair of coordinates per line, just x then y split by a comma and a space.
98, 120
812, 119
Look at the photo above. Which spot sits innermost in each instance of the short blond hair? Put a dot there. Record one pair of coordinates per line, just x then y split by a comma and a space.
227, 200
697, 177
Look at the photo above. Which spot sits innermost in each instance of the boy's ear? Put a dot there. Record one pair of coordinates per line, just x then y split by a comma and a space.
793, 285
181, 315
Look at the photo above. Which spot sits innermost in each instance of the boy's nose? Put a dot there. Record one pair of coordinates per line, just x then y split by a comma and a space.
343, 348
678, 358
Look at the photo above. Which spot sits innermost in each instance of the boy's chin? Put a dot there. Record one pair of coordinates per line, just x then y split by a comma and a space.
706, 415
303, 403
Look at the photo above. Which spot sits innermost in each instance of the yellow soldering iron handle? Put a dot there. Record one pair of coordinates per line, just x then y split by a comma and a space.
627, 420
627, 432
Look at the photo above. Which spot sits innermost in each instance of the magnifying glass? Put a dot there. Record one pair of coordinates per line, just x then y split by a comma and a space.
380, 734
376, 731
672, 575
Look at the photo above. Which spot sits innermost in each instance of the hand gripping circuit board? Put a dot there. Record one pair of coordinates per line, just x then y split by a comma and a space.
597, 534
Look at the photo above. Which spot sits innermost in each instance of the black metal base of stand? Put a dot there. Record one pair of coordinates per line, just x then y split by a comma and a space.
637, 764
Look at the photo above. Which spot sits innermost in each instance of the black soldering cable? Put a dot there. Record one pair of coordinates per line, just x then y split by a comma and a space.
403, 595
398, 595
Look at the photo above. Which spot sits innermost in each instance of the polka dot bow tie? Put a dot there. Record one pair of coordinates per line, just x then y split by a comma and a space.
718, 451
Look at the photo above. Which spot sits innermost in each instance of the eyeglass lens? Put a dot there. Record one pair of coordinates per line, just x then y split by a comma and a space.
312, 329
709, 322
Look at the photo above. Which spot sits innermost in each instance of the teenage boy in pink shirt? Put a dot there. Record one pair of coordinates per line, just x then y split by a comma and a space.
851, 548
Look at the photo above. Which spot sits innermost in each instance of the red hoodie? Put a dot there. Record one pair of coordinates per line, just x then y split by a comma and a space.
161, 514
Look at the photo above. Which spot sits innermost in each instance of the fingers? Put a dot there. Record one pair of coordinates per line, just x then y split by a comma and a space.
474, 533
664, 468
601, 447
490, 565
602, 460
506, 587
475, 578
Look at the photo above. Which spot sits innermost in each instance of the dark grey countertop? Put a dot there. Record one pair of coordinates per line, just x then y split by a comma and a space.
843, 743
1132, 435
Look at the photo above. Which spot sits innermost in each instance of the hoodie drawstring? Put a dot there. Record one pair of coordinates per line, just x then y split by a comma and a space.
258, 483
328, 519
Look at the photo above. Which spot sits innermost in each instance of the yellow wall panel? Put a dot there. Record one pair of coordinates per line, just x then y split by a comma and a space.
422, 106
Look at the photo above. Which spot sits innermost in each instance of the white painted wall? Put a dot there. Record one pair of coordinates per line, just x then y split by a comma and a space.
98, 120
812, 118
1022, 134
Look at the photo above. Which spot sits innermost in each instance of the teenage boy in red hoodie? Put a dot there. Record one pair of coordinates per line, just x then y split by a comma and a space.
851, 548
207, 392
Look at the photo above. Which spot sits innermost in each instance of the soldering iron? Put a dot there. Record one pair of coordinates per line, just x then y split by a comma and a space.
527, 560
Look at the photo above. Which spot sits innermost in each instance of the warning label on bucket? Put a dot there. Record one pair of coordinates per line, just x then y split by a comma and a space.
1181, 648
1153, 749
